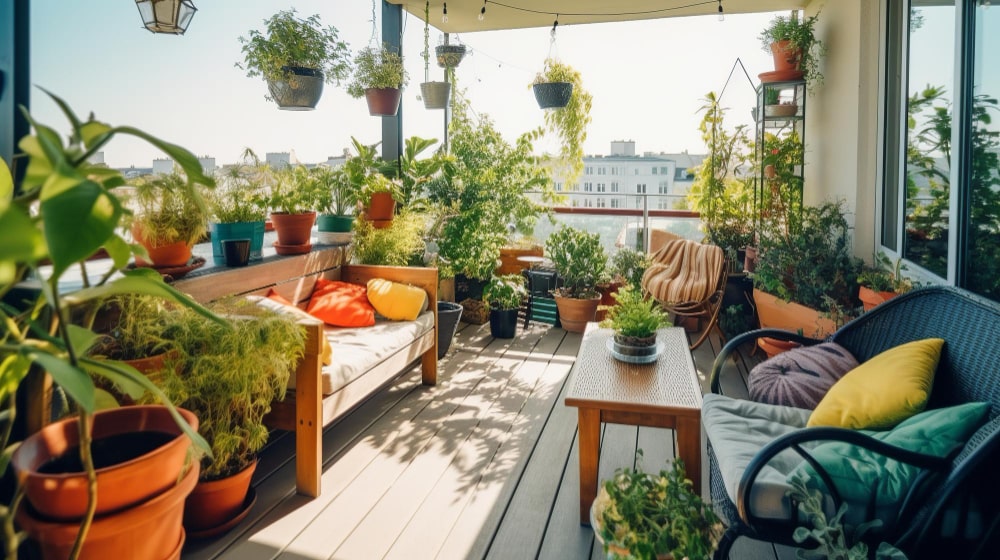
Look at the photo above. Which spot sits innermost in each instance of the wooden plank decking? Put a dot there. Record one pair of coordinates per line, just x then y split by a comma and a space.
484, 465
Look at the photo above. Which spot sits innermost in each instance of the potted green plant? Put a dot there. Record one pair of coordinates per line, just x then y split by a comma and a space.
337, 204
580, 261
379, 76
435, 94
170, 216
35, 221
559, 86
228, 377
504, 296
635, 319
399, 244
239, 206
795, 48
640, 515
882, 281
295, 56
775, 106
806, 274
295, 195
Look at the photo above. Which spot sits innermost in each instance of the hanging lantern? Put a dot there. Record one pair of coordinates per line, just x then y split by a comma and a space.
166, 16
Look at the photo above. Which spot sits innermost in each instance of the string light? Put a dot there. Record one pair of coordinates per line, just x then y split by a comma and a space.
482, 12
722, 15
444, 14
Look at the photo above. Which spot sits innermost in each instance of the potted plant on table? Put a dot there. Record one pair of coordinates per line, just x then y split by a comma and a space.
239, 207
59, 229
635, 319
580, 261
295, 194
170, 216
882, 281
295, 56
504, 296
379, 76
640, 515
796, 50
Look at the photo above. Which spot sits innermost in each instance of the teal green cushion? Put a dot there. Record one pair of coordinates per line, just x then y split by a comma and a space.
859, 473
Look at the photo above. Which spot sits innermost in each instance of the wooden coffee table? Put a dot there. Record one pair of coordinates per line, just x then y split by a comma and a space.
663, 394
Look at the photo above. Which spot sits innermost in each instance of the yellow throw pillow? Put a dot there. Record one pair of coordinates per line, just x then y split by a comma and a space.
395, 301
883, 391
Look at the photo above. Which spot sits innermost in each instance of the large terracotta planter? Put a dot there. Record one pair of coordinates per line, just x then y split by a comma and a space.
293, 229
870, 298
214, 502
154, 462
170, 254
151, 529
381, 207
778, 314
574, 314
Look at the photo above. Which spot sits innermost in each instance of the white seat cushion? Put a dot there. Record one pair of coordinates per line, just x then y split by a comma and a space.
737, 430
358, 350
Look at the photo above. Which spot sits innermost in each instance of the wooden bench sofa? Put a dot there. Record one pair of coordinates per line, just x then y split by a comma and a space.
306, 410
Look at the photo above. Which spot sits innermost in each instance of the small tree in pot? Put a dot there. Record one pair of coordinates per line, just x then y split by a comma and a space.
504, 294
580, 262
296, 56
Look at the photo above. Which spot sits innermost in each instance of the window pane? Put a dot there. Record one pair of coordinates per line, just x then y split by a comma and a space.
983, 257
930, 79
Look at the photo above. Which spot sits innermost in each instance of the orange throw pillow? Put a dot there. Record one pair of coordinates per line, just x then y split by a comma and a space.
273, 295
341, 304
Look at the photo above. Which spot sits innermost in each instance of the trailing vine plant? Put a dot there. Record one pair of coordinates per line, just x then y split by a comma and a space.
570, 122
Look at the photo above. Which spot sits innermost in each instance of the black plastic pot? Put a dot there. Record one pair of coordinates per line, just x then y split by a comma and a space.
552, 95
503, 323
448, 316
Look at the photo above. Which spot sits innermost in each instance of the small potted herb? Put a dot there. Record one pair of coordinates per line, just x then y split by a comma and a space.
170, 217
635, 320
379, 76
504, 294
294, 197
337, 202
295, 56
795, 48
640, 515
239, 206
882, 281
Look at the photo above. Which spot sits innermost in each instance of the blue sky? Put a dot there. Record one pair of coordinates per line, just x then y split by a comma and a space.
647, 78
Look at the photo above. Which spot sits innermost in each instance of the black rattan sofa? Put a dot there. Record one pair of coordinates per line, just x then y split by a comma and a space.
954, 511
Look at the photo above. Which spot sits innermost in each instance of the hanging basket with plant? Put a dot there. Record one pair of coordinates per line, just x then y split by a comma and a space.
379, 76
436, 95
560, 87
295, 56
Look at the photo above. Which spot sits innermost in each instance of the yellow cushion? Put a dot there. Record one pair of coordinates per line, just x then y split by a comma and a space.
883, 391
395, 301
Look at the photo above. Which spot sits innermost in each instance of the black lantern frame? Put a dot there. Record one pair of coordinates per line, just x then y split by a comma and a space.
166, 16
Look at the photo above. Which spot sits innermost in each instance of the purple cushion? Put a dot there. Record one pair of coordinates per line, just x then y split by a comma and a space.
800, 377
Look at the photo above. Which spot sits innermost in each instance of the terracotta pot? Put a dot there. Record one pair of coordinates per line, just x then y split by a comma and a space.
293, 229
770, 172
381, 207
870, 298
383, 102
215, 502
779, 314
149, 470
574, 314
171, 254
150, 366
785, 57
151, 529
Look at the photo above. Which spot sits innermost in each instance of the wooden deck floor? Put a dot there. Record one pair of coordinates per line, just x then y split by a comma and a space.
482, 466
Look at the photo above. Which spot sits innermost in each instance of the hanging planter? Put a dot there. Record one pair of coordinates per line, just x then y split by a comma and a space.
378, 76
552, 95
300, 89
450, 55
383, 102
436, 95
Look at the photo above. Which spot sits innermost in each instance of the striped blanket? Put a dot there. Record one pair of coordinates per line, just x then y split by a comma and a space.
684, 271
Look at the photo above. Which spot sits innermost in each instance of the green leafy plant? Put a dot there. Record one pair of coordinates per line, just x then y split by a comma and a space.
772, 96
628, 265
230, 376
414, 173
570, 122
813, 263
505, 292
641, 515
64, 211
781, 196
296, 190
885, 276
241, 191
832, 539
635, 315
290, 41
377, 68
579, 260
400, 244
801, 35
168, 209
338, 195
734, 321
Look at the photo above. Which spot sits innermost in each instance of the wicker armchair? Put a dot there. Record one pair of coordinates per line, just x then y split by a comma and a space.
955, 506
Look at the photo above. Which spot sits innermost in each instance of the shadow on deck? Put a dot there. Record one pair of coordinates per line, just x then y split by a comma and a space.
484, 465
